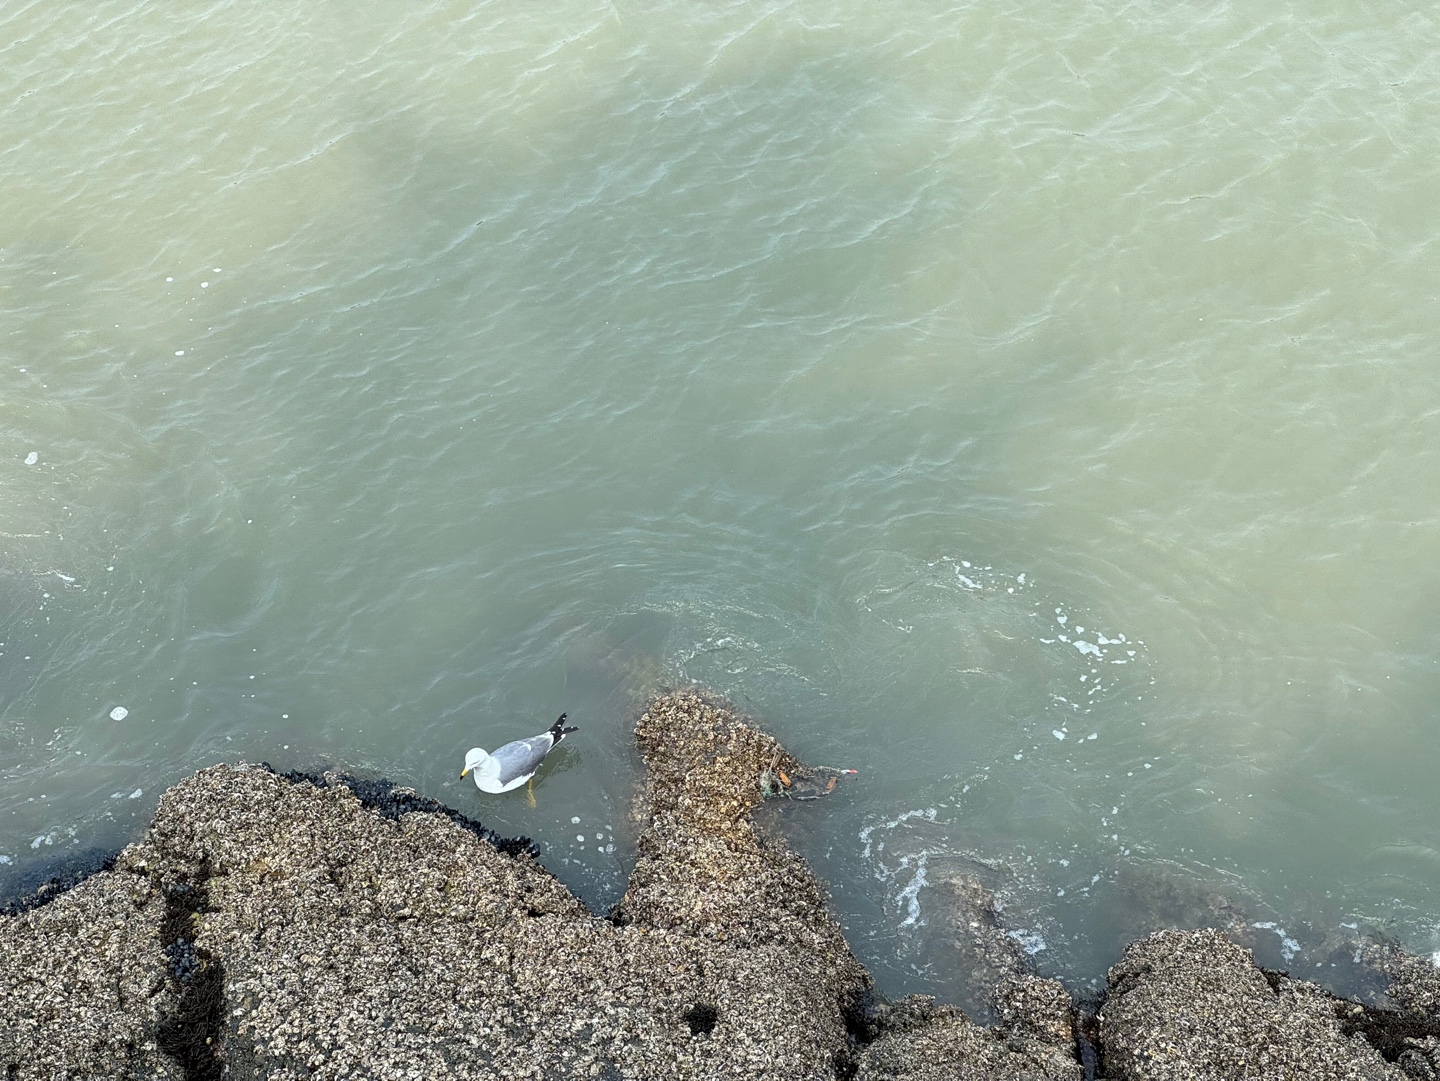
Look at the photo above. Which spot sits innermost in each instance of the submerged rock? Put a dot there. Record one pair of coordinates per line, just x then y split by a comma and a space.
975, 941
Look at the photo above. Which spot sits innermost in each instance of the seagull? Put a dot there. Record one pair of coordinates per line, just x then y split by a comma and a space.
516, 762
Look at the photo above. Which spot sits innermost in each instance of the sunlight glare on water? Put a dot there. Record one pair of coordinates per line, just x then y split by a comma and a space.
1033, 409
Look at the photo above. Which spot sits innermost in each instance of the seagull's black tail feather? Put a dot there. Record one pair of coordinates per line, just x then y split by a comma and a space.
559, 729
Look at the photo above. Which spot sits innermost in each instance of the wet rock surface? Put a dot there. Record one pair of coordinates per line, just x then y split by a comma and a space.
296, 926
1408, 1032
972, 934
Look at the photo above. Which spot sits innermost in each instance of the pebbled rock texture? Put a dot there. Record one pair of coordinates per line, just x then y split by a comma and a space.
1192, 1006
288, 927
84, 986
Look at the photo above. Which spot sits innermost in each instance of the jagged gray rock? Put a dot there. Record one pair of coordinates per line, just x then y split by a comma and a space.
1410, 1032
272, 927
355, 944
1414, 981
919, 1041
923, 1042
350, 944
1193, 1006
83, 984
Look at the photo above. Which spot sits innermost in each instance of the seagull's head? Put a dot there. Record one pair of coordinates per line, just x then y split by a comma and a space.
475, 757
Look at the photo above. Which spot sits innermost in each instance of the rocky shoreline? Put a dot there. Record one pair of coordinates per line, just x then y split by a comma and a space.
283, 926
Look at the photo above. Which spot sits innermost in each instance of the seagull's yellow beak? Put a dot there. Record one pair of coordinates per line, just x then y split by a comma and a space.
463, 772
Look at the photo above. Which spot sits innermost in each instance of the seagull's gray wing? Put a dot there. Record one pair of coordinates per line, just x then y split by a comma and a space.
523, 757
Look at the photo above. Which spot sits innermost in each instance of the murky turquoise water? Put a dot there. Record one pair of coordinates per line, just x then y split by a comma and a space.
1036, 409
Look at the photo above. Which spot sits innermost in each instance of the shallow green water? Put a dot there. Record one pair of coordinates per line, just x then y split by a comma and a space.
396, 383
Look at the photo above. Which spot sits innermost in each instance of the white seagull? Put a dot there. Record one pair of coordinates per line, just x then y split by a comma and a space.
515, 763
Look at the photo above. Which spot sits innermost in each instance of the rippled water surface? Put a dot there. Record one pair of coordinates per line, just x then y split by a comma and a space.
1035, 408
